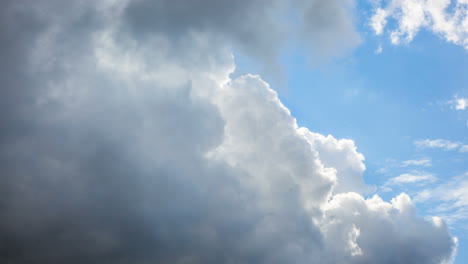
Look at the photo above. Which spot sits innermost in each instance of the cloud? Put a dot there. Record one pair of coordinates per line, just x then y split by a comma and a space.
379, 20
378, 50
375, 218
413, 15
126, 140
415, 177
443, 144
458, 103
464, 148
438, 143
449, 200
341, 155
328, 26
425, 162
412, 178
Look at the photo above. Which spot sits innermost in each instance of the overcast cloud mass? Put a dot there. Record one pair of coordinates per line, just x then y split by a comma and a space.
125, 140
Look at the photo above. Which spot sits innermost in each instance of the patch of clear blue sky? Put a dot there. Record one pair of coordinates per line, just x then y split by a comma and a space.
384, 102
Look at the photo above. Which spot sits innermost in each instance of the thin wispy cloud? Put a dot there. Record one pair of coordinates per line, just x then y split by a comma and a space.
442, 144
424, 162
449, 200
378, 50
418, 178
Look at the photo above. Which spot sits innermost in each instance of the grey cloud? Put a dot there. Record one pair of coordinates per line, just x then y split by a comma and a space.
328, 27
258, 29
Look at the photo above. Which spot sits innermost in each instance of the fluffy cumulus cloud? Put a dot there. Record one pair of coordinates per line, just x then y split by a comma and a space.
333, 153
446, 18
125, 140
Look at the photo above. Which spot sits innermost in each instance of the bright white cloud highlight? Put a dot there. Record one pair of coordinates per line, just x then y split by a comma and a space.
342, 155
379, 20
411, 16
459, 103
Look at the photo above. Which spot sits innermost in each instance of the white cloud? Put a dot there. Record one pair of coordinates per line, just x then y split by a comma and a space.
437, 143
464, 148
379, 20
341, 155
133, 138
412, 178
459, 103
413, 15
425, 162
379, 50
449, 200
389, 221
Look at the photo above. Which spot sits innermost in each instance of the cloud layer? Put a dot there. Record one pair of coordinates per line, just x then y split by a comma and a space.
443, 144
126, 141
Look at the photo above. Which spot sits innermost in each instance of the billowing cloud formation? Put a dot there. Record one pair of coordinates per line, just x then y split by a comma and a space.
413, 15
342, 156
372, 219
415, 178
125, 140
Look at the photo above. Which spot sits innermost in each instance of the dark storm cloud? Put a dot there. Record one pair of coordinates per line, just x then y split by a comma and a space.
124, 141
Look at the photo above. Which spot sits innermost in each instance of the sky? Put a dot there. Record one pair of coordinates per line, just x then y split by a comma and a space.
218, 131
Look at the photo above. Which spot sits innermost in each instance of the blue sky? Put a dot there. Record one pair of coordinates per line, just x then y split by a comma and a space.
386, 101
